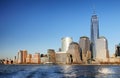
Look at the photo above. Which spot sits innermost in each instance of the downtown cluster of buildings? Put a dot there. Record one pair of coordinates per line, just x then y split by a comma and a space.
86, 51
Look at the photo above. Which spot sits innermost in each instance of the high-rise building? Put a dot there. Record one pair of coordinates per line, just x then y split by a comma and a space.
24, 56
84, 44
15, 60
102, 48
117, 50
28, 58
74, 51
36, 58
94, 34
20, 57
65, 43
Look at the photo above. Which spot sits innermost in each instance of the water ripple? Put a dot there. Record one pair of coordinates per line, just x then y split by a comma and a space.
59, 71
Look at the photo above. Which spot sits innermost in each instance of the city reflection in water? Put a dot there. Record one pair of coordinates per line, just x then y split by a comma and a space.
59, 71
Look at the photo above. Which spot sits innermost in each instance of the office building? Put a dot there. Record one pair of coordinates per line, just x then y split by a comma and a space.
102, 49
51, 56
117, 50
94, 34
63, 58
74, 51
44, 60
14, 60
36, 58
24, 56
20, 57
29, 58
65, 43
84, 44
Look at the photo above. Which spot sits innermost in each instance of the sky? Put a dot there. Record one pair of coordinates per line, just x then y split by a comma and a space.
38, 25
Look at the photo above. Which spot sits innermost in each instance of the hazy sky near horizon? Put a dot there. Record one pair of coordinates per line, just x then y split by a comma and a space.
38, 25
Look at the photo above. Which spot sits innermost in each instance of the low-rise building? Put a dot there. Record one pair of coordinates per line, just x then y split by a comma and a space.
44, 60
63, 58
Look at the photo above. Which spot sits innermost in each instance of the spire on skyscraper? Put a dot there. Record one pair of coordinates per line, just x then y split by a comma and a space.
94, 33
94, 10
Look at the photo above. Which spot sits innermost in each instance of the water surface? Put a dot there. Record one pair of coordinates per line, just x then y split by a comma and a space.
59, 71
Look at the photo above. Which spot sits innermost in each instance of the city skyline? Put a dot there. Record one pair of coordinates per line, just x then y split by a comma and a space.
39, 25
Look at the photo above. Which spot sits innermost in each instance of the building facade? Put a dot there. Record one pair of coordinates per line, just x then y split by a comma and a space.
102, 49
51, 56
24, 56
117, 50
74, 51
63, 58
84, 44
20, 57
29, 58
65, 43
36, 58
94, 34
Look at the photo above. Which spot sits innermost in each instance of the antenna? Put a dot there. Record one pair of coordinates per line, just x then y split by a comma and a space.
94, 11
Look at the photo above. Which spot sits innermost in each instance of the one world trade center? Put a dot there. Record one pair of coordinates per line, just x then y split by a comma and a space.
94, 34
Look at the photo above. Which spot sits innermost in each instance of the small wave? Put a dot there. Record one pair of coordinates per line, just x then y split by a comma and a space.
105, 71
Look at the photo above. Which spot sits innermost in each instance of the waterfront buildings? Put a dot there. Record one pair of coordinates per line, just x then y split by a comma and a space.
22, 54
94, 51
63, 58
20, 57
36, 58
94, 34
88, 57
51, 56
25, 58
74, 51
8, 61
65, 43
29, 59
102, 49
14, 60
84, 44
117, 50
44, 60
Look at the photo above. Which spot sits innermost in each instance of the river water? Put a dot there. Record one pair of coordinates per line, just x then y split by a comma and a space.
59, 71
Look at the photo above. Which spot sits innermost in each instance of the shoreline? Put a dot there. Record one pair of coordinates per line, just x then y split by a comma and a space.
66, 64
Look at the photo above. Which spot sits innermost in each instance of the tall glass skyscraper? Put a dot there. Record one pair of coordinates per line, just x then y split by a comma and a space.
94, 34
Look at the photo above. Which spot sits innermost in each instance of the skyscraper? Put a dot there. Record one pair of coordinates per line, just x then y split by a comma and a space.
117, 50
94, 34
102, 48
20, 57
24, 56
74, 51
65, 43
84, 44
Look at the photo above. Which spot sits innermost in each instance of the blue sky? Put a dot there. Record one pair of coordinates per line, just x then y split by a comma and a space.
38, 25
